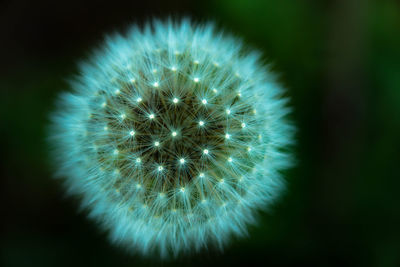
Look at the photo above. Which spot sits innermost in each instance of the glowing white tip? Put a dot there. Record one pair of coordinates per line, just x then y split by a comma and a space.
243, 124
230, 159
117, 92
104, 105
204, 101
132, 80
105, 128
173, 68
123, 116
196, 79
182, 161
156, 84
205, 151
175, 100
228, 111
174, 134
227, 136
182, 189
138, 160
201, 174
139, 99
151, 116
138, 186
116, 151
201, 123
160, 168
132, 133
196, 62
249, 148
154, 70
215, 90
156, 143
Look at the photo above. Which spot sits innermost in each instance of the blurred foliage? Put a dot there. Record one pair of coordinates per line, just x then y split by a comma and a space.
340, 61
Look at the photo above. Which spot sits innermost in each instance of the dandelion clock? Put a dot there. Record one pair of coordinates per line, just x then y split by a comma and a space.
174, 136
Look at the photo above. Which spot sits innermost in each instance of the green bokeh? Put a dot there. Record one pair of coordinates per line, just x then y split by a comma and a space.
339, 60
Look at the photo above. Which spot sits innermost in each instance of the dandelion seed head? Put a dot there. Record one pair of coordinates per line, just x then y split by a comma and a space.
153, 191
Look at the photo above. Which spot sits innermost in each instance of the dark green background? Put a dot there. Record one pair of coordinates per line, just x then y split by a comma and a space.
339, 60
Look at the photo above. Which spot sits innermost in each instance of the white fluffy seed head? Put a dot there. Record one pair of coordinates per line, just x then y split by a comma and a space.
188, 80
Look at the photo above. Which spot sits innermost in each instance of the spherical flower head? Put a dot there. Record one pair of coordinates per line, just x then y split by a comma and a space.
174, 136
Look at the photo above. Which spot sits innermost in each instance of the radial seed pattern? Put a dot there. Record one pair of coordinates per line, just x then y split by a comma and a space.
174, 137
